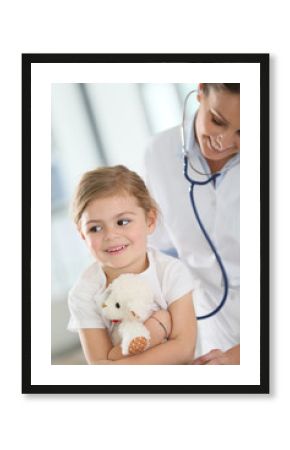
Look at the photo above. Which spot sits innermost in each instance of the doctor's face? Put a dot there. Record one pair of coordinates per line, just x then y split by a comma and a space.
217, 126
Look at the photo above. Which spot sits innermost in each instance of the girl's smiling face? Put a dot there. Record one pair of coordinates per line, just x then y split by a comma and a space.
115, 229
217, 126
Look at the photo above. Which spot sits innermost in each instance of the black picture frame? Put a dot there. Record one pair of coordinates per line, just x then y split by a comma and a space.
262, 60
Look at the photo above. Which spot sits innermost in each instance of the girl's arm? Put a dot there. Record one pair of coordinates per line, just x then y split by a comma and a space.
158, 334
96, 344
179, 349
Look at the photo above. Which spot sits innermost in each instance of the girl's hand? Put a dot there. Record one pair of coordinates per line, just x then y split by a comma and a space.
157, 332
115, 353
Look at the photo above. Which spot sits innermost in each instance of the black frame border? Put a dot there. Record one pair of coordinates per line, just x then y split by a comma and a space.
43, 58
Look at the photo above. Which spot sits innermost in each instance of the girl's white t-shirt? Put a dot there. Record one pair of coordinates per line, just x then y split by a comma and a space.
168, 278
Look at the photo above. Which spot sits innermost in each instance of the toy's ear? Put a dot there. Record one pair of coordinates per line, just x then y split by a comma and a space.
134, 315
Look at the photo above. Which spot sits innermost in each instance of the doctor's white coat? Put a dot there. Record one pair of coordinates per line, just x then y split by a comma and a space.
219, 210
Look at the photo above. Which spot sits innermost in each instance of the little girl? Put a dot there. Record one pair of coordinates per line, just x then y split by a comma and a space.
114, 214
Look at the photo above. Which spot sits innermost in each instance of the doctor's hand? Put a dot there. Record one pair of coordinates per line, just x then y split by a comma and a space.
217, 357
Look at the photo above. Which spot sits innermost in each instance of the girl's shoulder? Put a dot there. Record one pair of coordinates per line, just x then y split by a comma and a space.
90, 281
165, 263
174, 278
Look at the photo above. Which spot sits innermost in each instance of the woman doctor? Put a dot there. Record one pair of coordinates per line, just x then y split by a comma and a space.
212, 139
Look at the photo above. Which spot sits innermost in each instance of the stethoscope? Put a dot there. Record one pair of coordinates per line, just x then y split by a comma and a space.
193, 183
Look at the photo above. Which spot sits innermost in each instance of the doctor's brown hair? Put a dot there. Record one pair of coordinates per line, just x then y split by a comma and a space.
109, 181
234, 88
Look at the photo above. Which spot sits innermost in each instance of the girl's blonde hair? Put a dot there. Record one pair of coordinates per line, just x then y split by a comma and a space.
106, 182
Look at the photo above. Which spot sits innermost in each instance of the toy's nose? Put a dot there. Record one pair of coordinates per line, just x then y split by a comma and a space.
104, 305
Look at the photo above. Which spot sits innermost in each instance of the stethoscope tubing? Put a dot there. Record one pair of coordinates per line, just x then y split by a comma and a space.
193, 183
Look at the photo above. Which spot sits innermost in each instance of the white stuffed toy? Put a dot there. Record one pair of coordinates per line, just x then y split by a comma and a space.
128, 303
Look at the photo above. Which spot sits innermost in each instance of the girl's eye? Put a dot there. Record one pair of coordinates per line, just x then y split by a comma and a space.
123, 222
96, 229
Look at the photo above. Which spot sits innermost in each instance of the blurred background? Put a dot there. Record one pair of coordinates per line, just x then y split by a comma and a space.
95, 125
